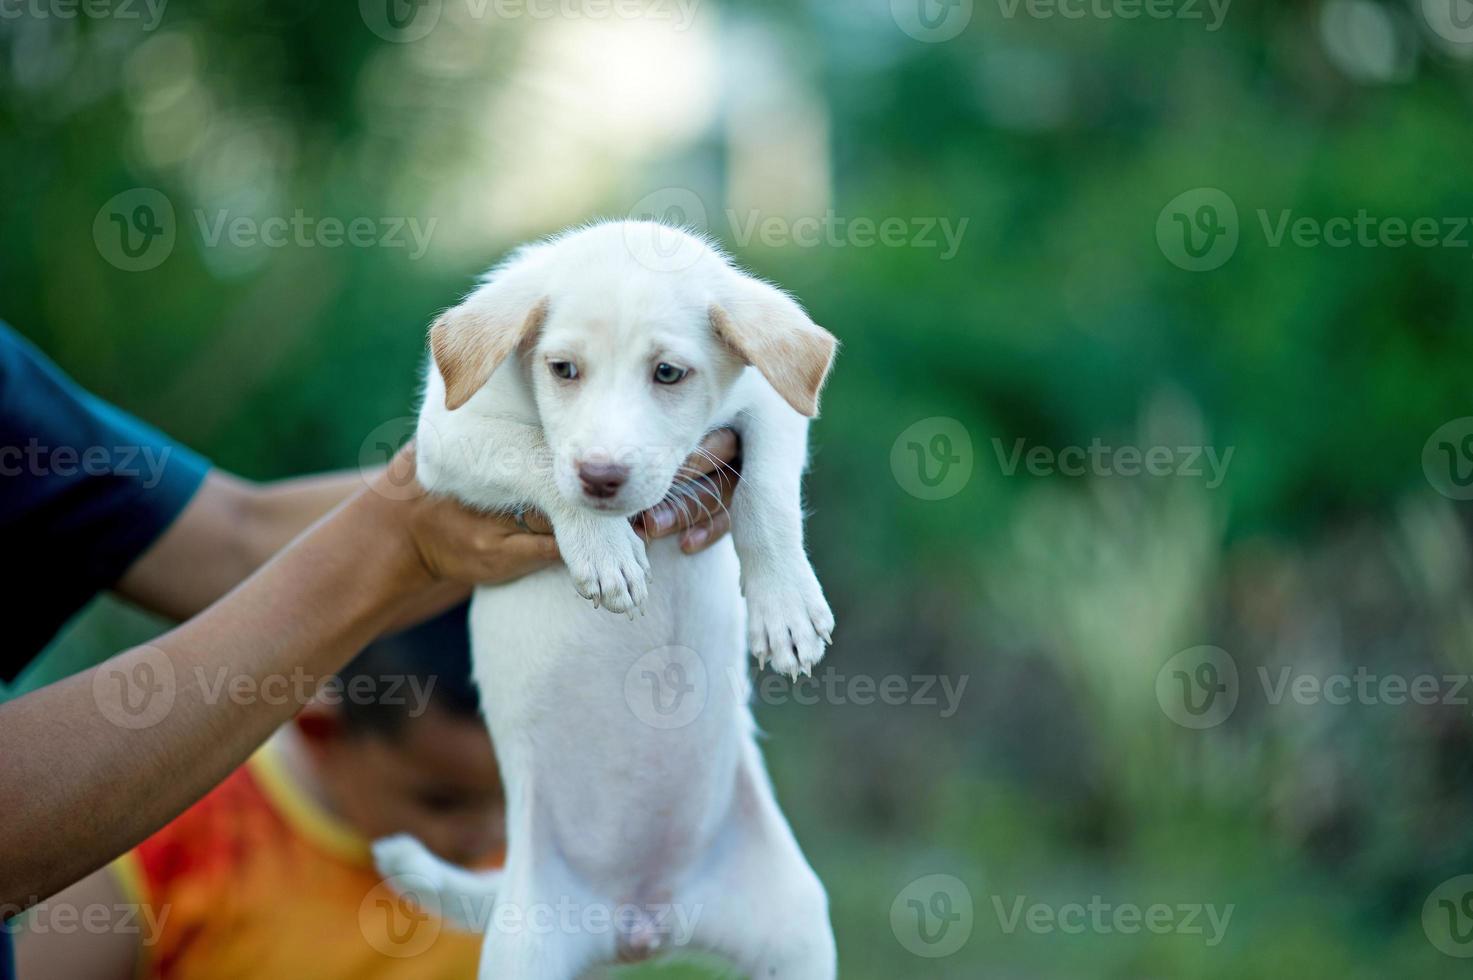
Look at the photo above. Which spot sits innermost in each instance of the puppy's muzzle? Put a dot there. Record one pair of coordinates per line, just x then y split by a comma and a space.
602, 480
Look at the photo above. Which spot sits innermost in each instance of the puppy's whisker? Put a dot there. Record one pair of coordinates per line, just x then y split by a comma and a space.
711, 492
676, 497
719, 464
699, 500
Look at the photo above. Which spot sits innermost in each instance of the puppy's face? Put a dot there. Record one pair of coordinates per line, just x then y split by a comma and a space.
628, 365
626, 387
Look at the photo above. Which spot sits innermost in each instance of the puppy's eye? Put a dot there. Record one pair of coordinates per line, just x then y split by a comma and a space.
669, 374
563, 370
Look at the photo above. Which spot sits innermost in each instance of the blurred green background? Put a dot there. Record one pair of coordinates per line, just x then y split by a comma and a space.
1056, 148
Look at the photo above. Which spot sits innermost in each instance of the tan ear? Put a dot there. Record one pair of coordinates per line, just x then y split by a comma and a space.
772, 333
470, 342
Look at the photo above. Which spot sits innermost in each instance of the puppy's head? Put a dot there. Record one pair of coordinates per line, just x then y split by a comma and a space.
629, 366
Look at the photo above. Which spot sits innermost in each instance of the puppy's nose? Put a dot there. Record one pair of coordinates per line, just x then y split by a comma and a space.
602, 479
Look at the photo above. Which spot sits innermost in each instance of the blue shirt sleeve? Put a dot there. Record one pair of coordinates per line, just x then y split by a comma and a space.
84, 490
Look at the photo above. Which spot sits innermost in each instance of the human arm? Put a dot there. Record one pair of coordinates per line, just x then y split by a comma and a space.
82, 786
232, 526
52, 945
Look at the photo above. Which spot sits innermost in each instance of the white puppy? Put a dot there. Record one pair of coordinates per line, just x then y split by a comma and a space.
639, 812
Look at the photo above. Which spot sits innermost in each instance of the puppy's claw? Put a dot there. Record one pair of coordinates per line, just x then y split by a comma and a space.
788, 626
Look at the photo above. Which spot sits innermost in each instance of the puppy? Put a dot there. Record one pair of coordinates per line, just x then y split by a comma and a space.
575, 380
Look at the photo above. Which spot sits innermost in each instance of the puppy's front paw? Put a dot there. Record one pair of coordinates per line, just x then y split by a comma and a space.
608, 563
789, 626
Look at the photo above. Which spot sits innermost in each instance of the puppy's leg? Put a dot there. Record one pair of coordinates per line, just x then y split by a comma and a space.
546, 930
788, 619
759, 903
500, 465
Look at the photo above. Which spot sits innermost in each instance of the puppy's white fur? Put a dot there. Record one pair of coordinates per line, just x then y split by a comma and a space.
608, 812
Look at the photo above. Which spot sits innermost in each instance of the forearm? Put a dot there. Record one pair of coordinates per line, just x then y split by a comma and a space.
231, 528
81, 786
281, 510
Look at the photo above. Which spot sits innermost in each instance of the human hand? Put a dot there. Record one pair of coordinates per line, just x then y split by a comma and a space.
698, 507
453, 543
457, 544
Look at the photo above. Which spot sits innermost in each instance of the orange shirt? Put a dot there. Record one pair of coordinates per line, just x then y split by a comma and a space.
257, 880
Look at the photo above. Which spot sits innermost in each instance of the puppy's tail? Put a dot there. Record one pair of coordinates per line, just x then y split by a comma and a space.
462, 898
